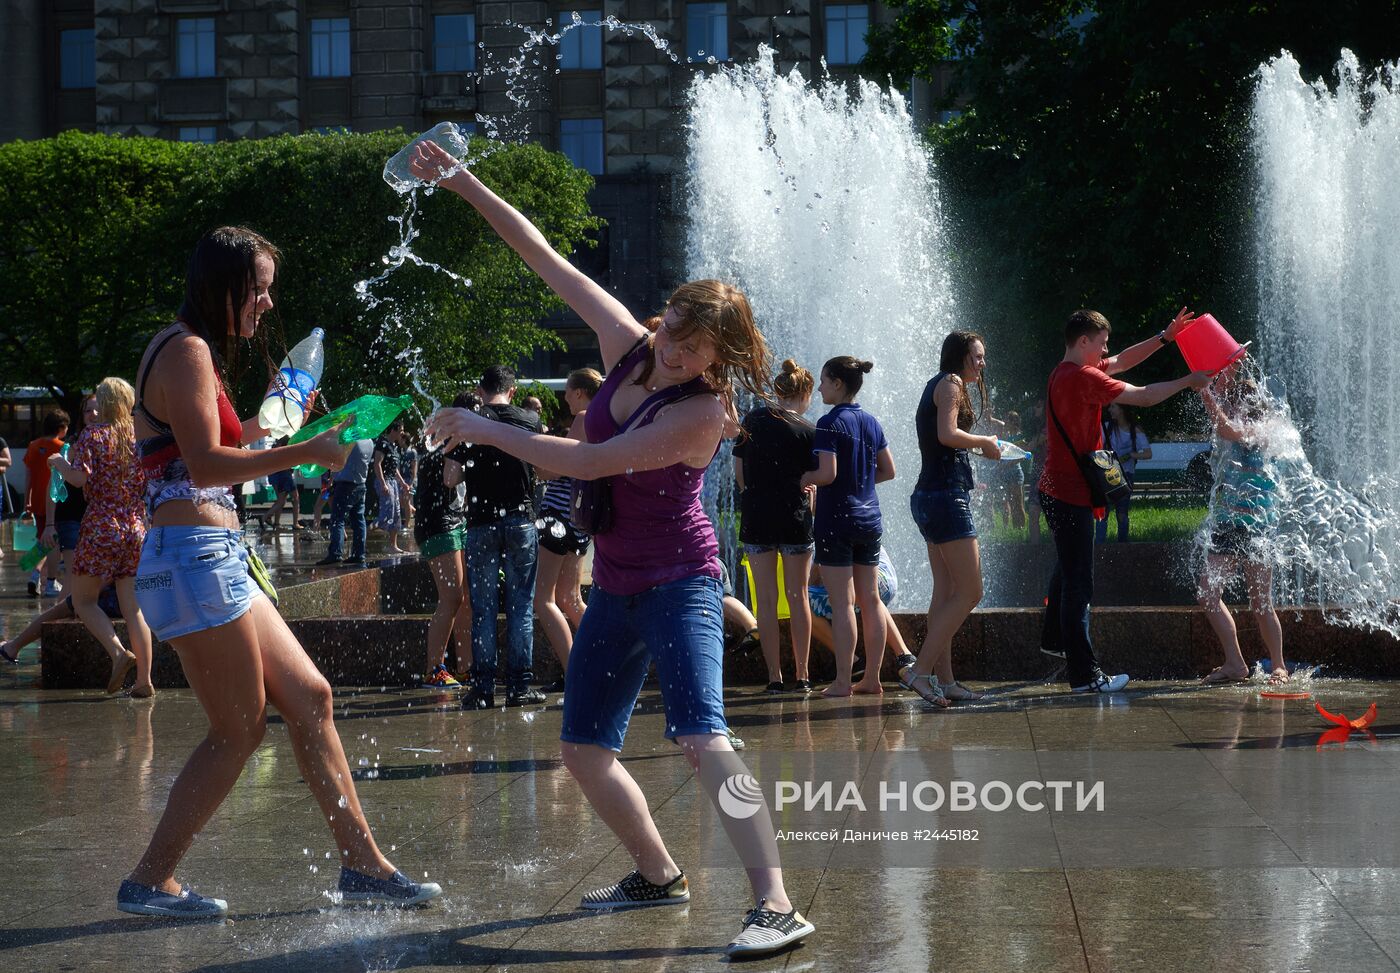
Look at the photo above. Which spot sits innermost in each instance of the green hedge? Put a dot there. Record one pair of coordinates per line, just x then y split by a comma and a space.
98, 230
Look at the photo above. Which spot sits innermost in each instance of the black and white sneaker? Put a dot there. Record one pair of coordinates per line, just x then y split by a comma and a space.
1102, 683
766, 931
634, 892
775, 688
524, 697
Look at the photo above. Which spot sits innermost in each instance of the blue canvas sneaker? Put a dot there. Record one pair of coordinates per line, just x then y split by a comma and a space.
143, 900
400, 891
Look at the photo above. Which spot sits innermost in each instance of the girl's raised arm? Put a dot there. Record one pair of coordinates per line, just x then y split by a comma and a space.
615, 327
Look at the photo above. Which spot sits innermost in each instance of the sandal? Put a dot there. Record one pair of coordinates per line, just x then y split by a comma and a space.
958, 693
924, 686
1219, 677
11, 659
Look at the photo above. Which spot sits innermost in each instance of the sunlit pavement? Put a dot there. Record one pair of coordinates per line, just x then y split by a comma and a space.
479, 802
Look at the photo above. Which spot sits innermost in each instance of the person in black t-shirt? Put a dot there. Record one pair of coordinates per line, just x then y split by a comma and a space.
771, 455
438, 527
501, 539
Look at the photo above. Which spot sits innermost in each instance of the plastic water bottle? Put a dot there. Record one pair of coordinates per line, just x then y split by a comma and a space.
58, 487
372, 413
445, 134
33, 556
284, 409
1010, 452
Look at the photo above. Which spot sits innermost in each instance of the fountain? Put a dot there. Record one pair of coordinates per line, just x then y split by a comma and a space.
819, 201
1329, 272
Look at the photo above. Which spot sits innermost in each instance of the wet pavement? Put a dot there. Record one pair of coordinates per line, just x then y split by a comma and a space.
1216, 875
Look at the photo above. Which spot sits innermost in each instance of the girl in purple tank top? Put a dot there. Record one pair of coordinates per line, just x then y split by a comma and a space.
651, 430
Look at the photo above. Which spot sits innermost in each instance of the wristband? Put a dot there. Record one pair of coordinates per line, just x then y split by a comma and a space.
1162, 337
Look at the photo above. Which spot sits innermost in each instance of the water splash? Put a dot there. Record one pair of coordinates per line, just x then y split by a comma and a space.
1328, 161
1333, 545
777, 162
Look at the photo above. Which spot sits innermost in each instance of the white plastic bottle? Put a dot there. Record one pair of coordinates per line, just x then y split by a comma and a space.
284, 409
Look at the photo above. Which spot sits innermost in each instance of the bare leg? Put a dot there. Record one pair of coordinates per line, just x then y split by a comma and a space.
618, 800
1259, 578
796, 568
57, 612
957, 571
872, 617
1018, 505
224, 668
462, 621
746, 832
547, 610
138, 633
1221, 621
765, 582
301, 694
447, 577
85, 591
843, 627
566, 590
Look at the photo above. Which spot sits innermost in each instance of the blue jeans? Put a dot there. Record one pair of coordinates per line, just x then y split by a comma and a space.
679, 624
1120, 512
506, 546
1066, 624
348, 502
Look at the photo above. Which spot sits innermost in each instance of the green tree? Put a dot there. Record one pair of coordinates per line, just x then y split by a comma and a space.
1101, 157
100, 229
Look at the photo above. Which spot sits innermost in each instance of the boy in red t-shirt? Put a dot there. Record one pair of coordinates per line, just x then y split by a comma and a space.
36, 462
1080, 386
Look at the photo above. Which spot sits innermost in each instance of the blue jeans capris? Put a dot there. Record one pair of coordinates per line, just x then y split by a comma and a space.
679, 624
191, 579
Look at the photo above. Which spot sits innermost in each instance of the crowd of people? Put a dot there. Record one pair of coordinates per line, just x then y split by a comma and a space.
155, 464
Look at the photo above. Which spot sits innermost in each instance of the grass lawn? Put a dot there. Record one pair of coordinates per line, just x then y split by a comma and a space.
1150, 518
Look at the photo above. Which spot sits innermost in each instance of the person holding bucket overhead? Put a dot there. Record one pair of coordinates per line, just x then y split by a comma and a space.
1080, 477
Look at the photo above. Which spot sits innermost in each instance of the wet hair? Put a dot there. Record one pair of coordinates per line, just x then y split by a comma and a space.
793, 382
467, 400
585, 380
653, 322
956, 347
497, 380
720, 312
55, 422
1085, 324
850, 372
115, 399
395, 426
222, 270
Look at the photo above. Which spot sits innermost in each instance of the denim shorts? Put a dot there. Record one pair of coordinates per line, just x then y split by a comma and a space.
943, 515
67, 531
679, 624
192, 578
282, 482
791, 550
844, 550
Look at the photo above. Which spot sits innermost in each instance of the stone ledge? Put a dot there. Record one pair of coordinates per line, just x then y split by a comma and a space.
995, 644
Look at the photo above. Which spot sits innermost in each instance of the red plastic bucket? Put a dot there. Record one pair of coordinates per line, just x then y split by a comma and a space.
1206, 346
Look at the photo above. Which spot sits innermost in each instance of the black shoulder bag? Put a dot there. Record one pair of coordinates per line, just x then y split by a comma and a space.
1099, 467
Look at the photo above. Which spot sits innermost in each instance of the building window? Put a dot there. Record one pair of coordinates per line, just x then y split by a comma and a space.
194, 47
706, 31
330, 47
581, 48
845, 33
199, 133
454, 43
77, 59
581, 139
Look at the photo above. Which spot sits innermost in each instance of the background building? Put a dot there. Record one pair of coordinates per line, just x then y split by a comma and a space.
204, 70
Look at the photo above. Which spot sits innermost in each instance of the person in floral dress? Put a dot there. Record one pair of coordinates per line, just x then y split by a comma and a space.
104, 463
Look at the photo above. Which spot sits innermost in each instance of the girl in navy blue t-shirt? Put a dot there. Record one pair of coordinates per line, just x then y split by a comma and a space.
852, 456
